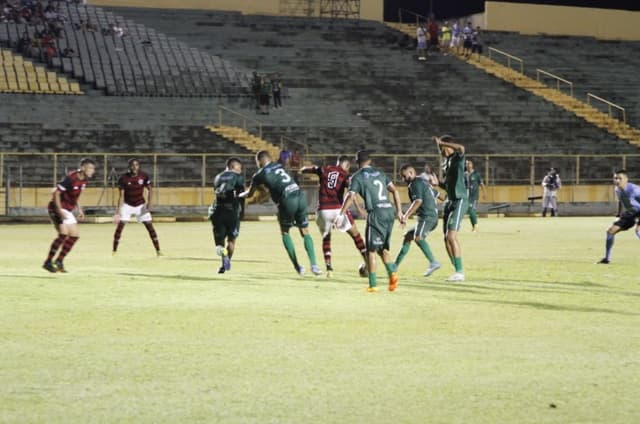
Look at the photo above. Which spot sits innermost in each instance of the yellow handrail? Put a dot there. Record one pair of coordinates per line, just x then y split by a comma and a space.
610, 104
509, 58
244, 118
557, 78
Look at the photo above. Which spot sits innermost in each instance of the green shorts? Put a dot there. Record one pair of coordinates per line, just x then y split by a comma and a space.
454, 211
292, 210
423, 227
225, 226
378, 231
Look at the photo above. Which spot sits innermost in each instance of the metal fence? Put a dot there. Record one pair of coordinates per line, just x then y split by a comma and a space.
26, 170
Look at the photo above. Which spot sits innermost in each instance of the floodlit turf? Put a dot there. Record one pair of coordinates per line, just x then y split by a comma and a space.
537, 334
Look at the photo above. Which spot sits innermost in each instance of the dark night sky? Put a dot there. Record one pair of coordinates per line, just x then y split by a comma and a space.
455, 8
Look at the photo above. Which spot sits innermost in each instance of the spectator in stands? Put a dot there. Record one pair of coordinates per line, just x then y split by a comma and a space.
68, 52
551, 184
455, 38
285, 157
265, 95
476, 42
434, 32
277, 92
467, 32
445, 38
421, 39
24, 44
256, 89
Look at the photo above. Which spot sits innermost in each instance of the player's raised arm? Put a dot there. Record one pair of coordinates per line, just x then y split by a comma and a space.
445, 141
313, 169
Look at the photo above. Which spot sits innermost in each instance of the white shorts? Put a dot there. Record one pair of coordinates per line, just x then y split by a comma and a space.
140, 211
325, 218
69, 217
455, 42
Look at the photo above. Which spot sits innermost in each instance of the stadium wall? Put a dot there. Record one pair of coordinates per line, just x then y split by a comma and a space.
562, 20
369, 9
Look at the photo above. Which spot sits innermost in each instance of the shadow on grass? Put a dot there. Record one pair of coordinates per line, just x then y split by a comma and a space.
213, 259
552, 307
215, 277
47, 276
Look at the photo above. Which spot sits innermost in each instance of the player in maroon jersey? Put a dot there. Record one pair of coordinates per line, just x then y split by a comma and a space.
131, 202
334, 181
60, 208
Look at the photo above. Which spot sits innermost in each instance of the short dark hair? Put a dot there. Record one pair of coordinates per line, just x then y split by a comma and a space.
405, 167
448, 138
233, 160
362, 156
87, 161
130, 161
621, 171
262, 154
343, 158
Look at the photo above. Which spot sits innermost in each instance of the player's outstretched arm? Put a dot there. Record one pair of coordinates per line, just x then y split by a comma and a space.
308, 169
248, 192
455, 146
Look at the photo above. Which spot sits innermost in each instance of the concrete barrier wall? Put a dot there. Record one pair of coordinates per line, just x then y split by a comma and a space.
369, 9
562, 20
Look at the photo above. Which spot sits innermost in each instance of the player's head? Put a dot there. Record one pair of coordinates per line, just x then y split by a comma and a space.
446, 150
469, 165
620, 178
552, 171
234, 164
408, 173
88, 167
344, 162
362, 158
134, 165
262, 158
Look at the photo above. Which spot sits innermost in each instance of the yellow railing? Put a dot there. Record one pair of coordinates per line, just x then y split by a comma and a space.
244, 120
610, 105
556, 78
510, 57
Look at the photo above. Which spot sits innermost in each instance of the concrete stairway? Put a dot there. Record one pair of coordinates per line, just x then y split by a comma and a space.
569, 103
245, 139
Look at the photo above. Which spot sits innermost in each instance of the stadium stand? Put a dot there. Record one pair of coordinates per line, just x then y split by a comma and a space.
363, 67
21, 76
607, 68
137, 61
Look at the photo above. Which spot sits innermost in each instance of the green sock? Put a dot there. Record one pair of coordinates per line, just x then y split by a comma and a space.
457, 262
372, 279
308, 246
291, 250
391, 268
453, 260
403, 252
424, 246
474, 216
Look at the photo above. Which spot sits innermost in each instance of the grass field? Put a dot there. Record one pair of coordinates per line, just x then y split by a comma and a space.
537, 334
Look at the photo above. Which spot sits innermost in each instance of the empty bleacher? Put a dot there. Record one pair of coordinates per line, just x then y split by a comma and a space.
18, 75
606, 68
142, 62
363, 72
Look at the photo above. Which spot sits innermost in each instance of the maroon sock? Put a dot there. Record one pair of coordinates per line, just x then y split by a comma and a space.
360, 245
152, 234
66, 247
117, 235
326, 249
55, 245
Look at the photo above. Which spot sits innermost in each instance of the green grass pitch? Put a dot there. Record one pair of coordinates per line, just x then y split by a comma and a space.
537, 334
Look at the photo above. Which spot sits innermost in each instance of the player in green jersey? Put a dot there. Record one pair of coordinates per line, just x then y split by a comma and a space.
224, 214
292, 206
372, 185
474, 186
423, 204
453, 165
